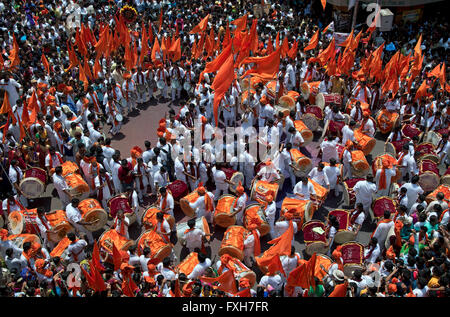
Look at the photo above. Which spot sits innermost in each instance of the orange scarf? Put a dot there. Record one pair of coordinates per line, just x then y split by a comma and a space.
164, 202
380, 222
208, 203
122, 226
257, 249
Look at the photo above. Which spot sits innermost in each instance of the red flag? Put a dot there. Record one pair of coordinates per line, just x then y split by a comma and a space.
96, 257
45, 63
226, 280
175, 50
340, 290
89, 278
201, 27
312, 42
222, 82
244, 293
156, 52
99, 283
241, 23
14, 54
214, 65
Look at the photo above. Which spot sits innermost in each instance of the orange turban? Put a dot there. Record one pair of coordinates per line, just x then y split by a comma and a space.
3, 234
127, 75
201, 190
240, 189
392, 288
336, 254
40, 263
244, 282
288, 215
269, 198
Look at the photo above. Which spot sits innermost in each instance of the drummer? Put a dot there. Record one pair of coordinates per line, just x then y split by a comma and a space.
45, 228
166, 201
252, 244
270, 211
364, 192
357, 217
162, 227
268, 173
9, 205
52, 160
383, 178
61, 187
104, 186
113, 112
240, 205
333, 174
318, 175
121, 224
194, 237
204, 205
141, 175
304, 190
74, 216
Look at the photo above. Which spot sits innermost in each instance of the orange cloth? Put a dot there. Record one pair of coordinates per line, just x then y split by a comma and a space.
222, 83
265, 67
312, 42
382, 184
201, 26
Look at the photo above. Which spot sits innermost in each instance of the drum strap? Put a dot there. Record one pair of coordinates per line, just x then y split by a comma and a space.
44, 222
355, 215
100, 192
95, 101
51, 159
163, 74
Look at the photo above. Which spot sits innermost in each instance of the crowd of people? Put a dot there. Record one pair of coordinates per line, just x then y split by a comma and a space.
70, 71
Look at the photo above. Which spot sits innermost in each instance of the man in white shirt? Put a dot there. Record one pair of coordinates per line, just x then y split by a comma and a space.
75, 250
333, 174
304, 189
200, 268
74, 217
204, 205
364, 191
165, 270
318, 175
348, 133
382, 230
193, 236
144, 258
104, 186
250, 242
439, 201
141, 174
329, 149
372, 251
15, 176
166, 201
221, 182
413, 190
384, 187
270, 213
61, 187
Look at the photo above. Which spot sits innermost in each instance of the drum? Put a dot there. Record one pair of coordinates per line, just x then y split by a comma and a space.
254, 214
200, 223
188, 264
433, 138
381, 204
20, 239
149, 218
426, 151
301, 209
445, 179
23, 221
365, 142
159, 249
61, 248
344, 234
235, 179
326, 262
92, 210
314, 237
186, 200
33, 183
287, 102
240, 270
178, 189
398, 146
160, 84
323, 100
233, 242
225, 206
352, 257
390, 149
349, 194
386, 120
175, 84
261, 189
445, 189
321, 193
410, 131
60, 225
77, 186
360, 167
284, 110
428, 175
301, 162
110, 238
119, 117
271, 88
121, 202
306, 133
312, 117
309, 91
69, 167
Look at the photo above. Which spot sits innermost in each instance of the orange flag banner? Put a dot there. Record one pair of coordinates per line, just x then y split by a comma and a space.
144, 48
227, 37
45, 63
348, 40
293, 51
281, 245
265, 67
156, 52
226, 280
175, 50
418, 48
214, 65
327, 53
442, 79
284, 47
422, 90
14, 54
312, 42
241, 23
201, 27
324, 4
6, 107
222, 82
33, 105
340, 290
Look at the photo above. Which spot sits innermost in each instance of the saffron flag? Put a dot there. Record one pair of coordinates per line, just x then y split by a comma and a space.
201, 27
241, 23
226, 280
214, 65
312, 42
266, 67
222, 82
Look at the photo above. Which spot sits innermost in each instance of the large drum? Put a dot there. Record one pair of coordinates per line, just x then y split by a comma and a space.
186, 201
365, 142
60, 225
344, 234
254, 214
121, 202
312, 117
386, 120
309, 90
335, 127
92, 210
445, 179
69, 167
360, 167
410, 131
433, 138
378, 163
20, 239
426, 151
188, 264
224, 209
77, 186
445, 189
306, 133
323, 100
23, 221
200, 223
33, 183
301, 209
149, 218
321, 193
428, 175
352, 257
315, 237
301, 162
233, 242
287, 102
326, 262
391, 149
235, 179
381, 204
159, 249
178, 189
240, 270
262, 189
349, 194
61, 248
112, 237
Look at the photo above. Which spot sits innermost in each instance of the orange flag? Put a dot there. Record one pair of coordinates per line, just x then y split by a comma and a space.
277, 40
281, 245
442, 76
89, 278
201, 27
299, 276
340, 290
422, 90
253, 38
284, 47
22, 130
6, 107
33, 105
164, 47
14, 54
265, 67
226, 280
87, 69
80, 44
435, 72
150, 32
214, 65
175, 50
96, 258
273, 264
97, 68
324, 4
145, 48
222, 82
348, 40
99, 283
326, 28
193, 50
45, 63
156, 52
270, 46
241, 23
160, 20
418, 48
244, 293
312, 42
102, 45
293, 51
25, 115
327, 53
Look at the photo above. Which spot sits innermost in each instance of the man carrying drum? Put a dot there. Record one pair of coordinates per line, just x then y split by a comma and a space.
166, 201
204, 205
121, 224
304, 190
61, 187
75, 218
357, 218
194, 237
10, 204
104, 186
240, 205
45, 228
52, 160
76, 248
252, 244
364, 191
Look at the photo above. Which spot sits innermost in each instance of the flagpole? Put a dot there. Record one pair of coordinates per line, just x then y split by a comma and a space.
355, 13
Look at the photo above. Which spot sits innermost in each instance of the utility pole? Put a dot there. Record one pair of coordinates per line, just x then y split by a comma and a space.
355, 13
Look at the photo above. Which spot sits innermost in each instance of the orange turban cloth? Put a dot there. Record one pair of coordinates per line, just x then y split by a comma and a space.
240, 189
392, 288
269, 198
244, 282
3, 234
386, 164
